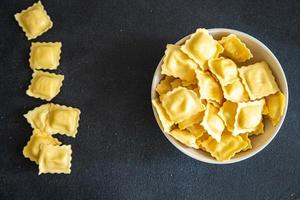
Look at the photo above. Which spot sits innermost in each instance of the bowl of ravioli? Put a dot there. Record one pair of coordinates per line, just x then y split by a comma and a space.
219, 95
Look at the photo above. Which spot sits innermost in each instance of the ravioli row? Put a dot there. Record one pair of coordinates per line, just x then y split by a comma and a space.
207, 102
47, 119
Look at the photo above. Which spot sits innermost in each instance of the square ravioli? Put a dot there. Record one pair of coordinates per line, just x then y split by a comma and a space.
201, 47
224, 69
54, 118
45, 85
258, 80
275, 104
181, 103
178, 64
235, 49
55, 159
195, 119
228, 146
227, 113
45, 55
212, 122
34, 21
32, 149
209, 88
165, 121
186, 137
235, 92
248, 116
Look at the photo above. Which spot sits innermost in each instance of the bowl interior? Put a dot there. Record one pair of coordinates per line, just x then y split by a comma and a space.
260, 52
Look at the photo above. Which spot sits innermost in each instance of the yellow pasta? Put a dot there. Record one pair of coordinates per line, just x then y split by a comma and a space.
54, 118
228, 146
212, 123
235, 49
32, 149
275, 104
178, 64
163, 116
209, 87
227, 113
186, 137
258, 130
44, 85
248, 116
164, 85
258, 80
201, 47
224, 69
246, 138
195, 119
55, 159
45, 55
34, 21
235, 92
181, 103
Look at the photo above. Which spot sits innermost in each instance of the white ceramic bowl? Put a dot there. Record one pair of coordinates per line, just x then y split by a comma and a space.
260, 52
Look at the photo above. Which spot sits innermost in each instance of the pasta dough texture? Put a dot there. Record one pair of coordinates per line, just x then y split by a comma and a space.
209, 103
34, 20
55, 159
54, 118
45, 55
45, 85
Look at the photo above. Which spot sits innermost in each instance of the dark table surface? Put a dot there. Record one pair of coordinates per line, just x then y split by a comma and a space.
110, 51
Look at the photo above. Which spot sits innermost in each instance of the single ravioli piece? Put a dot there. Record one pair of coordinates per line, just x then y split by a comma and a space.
195, 119
201, 47
248, 116
63, 120
38, 117
164, 85
165, 121
246, 138
187, 138
275, 104
34, 20
209, 87
54, 118
181, 103
178, 64
227, 113
45, 55
45, 85
224, 69
235, 92
258, 130
32, 149
228, 146
55, 159
212, 122
235, 49
258, 80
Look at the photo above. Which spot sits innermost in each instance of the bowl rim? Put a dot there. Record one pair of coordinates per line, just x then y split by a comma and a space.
255, 151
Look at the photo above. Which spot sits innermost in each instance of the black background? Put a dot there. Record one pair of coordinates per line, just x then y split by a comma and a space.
110, 51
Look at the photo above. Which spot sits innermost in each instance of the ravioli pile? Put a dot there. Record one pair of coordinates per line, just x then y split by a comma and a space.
47, 119
207, 102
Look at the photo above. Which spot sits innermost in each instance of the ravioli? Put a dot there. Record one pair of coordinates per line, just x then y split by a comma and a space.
55, 159
248, 116
45, 55
212, 123
181, 103
227, 113
224, 69
178, 64
186, 137
32, 149
34, 21
164, 85
201, 47
235, 92
275, 104
258, 80
163, 116
45, 85
235, 49
226, 148
195, 119
209, 87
